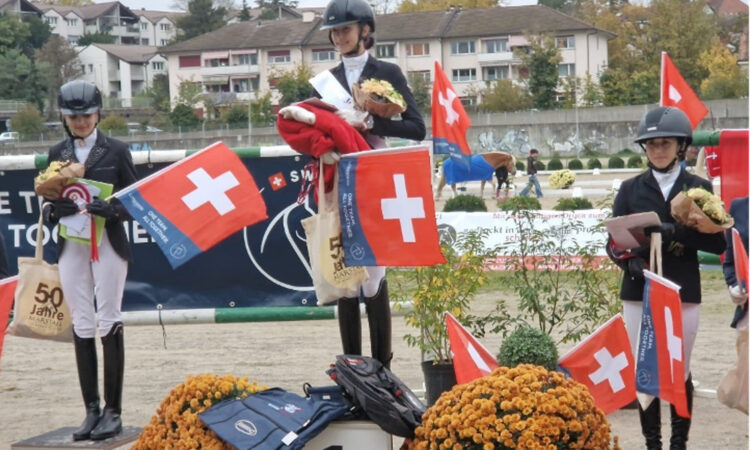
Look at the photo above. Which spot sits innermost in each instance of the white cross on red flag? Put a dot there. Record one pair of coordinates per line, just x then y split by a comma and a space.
471, 360
604, 363
676, 92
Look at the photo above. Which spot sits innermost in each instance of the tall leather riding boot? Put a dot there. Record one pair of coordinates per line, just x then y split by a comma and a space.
651, 424
681, 425
350, 326
113, 347
379, 318
85, 349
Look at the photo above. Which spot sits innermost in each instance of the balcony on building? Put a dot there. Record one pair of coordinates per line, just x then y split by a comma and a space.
224, 63
487, 59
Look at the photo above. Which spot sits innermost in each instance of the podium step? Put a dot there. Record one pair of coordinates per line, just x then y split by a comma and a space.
62, 438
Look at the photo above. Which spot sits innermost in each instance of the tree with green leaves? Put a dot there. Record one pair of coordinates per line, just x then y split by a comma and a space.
39, 31
725, 79
504, 95
99, 37
271, 8
189, 93
592, 92
245, 12
420, 87
236, 116
58, 61
569, 90
541, 62
27, 121
158, 92
183, 116
442, 5
294, 85
201, 18
261, 111
13, 33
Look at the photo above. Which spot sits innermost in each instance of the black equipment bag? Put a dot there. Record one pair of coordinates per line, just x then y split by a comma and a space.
378, 393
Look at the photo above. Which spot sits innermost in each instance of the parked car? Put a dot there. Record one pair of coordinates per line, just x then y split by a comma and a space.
8, 137
137, 128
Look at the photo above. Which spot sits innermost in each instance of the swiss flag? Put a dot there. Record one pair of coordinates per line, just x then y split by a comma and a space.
471, 360
713, 161
277, 181
449, 119
7, 293
733, 145
740, 259
195, 203
386, 208
676, 92
661, 356
604, 363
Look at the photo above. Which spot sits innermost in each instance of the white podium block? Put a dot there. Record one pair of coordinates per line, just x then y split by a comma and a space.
351, 435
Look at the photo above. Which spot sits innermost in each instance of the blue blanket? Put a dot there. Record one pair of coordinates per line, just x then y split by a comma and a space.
455, 172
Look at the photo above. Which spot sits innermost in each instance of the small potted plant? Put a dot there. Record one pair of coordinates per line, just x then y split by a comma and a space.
435, 290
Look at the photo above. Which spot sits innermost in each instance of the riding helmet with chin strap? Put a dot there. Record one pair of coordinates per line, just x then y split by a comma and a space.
78, 97
345, 12
666, 122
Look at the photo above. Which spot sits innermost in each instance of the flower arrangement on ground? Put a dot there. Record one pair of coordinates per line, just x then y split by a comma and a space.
562, 179
525, 407
176, 424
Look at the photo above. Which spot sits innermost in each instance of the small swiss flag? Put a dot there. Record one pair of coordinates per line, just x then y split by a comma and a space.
277, 181
604, 363
471, 360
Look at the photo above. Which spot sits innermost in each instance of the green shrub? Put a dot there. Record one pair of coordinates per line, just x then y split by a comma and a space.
540, 165
520, 165
572, 204
528, 346
183, 116
589, 153
520, 202
27, 122
635, 162
235, 116
593, 163
554, 164
624, 153
464, 202
114, 125
615, 162
575, 164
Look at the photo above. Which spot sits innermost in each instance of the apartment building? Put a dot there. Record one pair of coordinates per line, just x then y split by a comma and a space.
72, 22
121, 71
473, 47
19, 7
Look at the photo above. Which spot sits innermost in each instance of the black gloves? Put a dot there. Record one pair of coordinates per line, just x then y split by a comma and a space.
101, 208
64, 207
667, 230
635, 268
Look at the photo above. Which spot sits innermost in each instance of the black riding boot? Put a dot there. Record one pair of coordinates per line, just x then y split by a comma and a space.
651, 424
85, 349
350, 326
114, 367
681, 425
379, 318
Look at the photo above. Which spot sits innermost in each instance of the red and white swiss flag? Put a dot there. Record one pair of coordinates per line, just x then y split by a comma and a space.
471, 360
277, 181
7, 293
195, 203
604, 363
676, 92
386, 208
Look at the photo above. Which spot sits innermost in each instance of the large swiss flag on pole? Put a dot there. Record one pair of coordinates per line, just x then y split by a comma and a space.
449, 120
7, 293
195, 203
471, 360
676, 92
386, 208
660, 368
605, 364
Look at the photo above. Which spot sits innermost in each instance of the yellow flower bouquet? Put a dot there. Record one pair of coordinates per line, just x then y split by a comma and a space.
562, 179
701, 210
176, 424
525, 407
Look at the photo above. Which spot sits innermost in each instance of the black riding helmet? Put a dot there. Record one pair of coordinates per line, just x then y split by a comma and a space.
665, 122
345, 12
79, 97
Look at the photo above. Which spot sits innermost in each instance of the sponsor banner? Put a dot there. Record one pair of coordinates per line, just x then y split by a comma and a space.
262, 265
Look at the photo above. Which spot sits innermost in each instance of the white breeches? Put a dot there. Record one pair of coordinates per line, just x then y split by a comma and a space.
377, 274
83, 280
690, 318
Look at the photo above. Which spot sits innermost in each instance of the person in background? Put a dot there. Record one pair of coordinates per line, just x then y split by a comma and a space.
501, 173
3, 259
351, 27
531, 170
109, 161
664, 134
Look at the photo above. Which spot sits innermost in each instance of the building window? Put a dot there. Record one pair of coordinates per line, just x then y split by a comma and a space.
319, 55
272, 82
144, 41
462, 48
245, 84
418, 49
157, 65
251, 59
565, 42
468, 101
73, 39
218, 62
190, 61
566, 70
279, 57
83, 68
52, 20
165, 27
385, 50
464, 75
91, 68
423, 74
496, 45
495, 73
71, 22
164, 42
144, 26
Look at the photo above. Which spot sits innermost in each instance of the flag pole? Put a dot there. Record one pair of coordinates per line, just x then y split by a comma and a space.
661, 80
